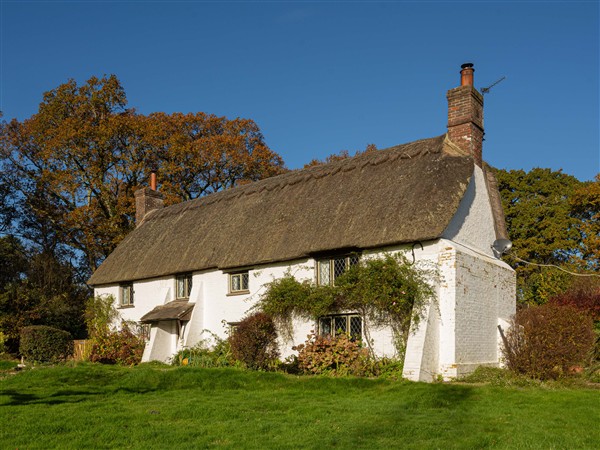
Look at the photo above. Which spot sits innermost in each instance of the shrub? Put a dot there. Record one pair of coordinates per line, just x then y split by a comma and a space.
548, 341
40, 343
117, 347
204, 355
333, 355
100, 313
254, 342
583, 295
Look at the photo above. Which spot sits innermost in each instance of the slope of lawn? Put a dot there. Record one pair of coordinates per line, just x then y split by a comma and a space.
93, 406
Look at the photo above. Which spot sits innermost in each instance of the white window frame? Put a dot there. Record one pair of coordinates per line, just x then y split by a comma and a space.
243, 282
187, 280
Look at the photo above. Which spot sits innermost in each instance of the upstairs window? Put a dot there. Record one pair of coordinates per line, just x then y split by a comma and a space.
350, 324
126, 295
184, 286
331, 268
239, 282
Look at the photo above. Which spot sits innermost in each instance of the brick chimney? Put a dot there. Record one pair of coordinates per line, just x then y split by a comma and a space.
146, 200
465, 115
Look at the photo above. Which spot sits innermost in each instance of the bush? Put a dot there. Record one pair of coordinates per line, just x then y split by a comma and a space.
548, 341
117, 347
337, 356
583, 295
205, 356
40, 343
254, 342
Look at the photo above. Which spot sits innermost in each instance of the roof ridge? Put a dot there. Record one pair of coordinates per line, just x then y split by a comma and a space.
402, 151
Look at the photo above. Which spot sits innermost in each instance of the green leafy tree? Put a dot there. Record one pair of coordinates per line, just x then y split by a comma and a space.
542, 228
38, 288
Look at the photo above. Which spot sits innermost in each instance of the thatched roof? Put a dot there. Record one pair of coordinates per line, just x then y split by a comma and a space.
176, 310
401, 194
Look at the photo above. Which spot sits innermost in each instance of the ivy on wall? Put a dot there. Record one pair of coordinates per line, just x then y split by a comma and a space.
384, 291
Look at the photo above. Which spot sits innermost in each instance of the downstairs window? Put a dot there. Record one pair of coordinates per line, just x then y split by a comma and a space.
350, 324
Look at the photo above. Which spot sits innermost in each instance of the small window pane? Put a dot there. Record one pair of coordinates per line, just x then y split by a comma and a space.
324, 273
236, 282
339, 267
181, 287
188, 287
353, 260
340, 324
325, 326
245, 279
356, 327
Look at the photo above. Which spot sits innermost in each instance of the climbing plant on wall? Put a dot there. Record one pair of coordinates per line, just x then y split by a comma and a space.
384, 291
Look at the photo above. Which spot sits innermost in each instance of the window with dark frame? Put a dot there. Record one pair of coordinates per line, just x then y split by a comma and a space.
144, 331
329, 269
126, 294
183, 286
238, 282
336, 324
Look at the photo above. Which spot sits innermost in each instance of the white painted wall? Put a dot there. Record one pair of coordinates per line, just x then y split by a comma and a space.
473, 223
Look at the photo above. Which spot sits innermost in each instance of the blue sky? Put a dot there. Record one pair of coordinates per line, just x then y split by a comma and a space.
319, 77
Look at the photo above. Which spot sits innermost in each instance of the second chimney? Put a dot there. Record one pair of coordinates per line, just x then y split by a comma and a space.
465, 115
146, 200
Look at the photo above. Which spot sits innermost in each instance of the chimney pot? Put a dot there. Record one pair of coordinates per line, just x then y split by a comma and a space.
466, 74
153, 180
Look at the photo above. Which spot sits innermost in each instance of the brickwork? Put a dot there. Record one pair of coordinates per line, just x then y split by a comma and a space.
146, 200
465, 120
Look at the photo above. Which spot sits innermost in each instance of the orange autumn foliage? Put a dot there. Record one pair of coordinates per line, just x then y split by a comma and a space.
74, 166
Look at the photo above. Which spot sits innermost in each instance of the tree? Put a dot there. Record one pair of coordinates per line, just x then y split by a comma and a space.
73, 167
37, 288
542, 227
13, 261
585, 206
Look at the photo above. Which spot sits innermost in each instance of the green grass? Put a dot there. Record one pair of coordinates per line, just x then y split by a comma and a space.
93, 406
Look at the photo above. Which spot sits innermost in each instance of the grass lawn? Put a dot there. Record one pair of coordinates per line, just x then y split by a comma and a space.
93, 406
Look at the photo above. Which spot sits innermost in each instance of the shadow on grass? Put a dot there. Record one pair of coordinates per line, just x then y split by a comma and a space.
19, 398
420, 416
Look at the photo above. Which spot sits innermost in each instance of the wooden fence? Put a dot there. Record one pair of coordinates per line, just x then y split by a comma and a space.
80, 349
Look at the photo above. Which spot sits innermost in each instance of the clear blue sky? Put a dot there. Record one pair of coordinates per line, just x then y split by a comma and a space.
319, 77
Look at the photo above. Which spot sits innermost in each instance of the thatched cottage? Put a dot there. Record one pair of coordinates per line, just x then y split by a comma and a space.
202, 264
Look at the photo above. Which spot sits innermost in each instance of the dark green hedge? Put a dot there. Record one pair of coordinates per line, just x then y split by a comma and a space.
40, 343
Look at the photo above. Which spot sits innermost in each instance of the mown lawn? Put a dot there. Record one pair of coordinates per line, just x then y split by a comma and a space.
93, 406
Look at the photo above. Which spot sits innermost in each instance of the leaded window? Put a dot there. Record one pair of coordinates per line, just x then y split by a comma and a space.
126, 294
184, 286
350, 324
238, 282
331, 268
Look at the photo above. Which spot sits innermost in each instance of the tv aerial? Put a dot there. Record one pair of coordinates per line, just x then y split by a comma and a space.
485, 90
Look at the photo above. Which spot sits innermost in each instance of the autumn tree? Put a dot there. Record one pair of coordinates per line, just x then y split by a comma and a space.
585, 206
72, 168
